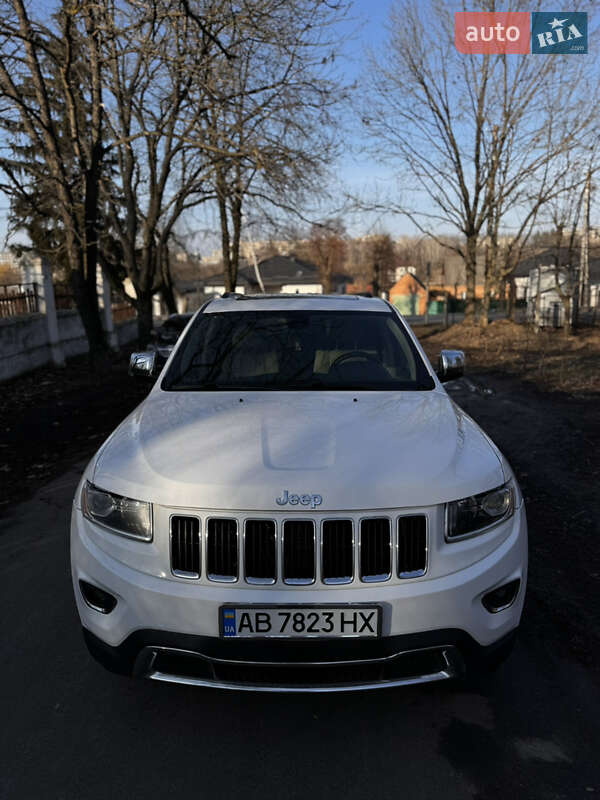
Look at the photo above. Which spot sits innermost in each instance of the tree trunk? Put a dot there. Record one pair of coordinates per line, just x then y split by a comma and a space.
229, 278
236, 216
168, 297
144, 315
166, 289
86, 300
376, 285
485, 303
568, 327
511, 311
485, 307
471, 276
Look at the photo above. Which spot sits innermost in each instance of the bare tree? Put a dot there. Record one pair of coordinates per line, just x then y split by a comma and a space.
268, 134
326, 246
381, 255
56, 116
467, 129
152, 63
564, 213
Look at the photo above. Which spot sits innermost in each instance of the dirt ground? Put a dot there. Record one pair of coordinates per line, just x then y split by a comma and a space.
51, 418
536, 395
547, 358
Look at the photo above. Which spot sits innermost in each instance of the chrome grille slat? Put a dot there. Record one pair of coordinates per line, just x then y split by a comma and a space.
375, 549
299, 563
412, 546
337, 551
222, 557
260, 555
185, 546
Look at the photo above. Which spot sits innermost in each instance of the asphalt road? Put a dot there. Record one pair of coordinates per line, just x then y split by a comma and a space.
71, 730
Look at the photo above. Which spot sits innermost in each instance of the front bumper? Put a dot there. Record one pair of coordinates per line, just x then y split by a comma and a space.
309, 666
168, 629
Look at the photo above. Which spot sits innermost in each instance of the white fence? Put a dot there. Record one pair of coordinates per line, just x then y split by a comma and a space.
28, 341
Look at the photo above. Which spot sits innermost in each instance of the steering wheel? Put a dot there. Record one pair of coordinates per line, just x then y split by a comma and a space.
358, 354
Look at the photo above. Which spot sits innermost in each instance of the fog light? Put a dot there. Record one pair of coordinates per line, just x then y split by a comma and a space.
97, 598
502, 597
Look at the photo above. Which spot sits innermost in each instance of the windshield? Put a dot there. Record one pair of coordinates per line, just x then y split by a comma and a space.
297, 350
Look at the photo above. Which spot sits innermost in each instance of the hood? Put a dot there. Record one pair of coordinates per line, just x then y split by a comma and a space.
241, 451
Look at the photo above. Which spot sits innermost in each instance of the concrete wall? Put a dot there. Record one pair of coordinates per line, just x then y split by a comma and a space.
24, 341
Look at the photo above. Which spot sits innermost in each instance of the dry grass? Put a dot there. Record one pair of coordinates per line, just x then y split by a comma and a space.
548, 358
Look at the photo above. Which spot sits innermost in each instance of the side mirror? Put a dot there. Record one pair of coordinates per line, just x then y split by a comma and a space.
141, 365
451, 365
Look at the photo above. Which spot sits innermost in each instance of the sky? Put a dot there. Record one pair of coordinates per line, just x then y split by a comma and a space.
355, 172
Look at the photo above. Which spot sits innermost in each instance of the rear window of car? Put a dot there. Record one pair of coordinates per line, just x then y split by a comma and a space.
297, 350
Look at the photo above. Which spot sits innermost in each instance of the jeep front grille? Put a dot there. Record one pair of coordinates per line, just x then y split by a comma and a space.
185, 546
299, 551
222, 550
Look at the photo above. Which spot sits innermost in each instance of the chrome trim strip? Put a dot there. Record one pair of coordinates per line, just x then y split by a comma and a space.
151, 652
449, 671
180, 573
443, 674
213, 576
99, 609
499, 586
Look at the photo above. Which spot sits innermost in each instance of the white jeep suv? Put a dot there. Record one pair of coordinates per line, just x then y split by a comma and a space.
298, 505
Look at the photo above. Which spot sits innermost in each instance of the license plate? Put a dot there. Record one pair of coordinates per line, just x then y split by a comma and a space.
300, 622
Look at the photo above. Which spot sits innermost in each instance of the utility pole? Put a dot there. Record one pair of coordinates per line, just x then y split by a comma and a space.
255, 262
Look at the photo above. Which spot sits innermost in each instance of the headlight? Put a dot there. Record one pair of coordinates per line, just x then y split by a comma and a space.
475, 514
128, 517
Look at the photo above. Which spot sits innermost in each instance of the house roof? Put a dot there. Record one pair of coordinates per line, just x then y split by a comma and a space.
547, 258
403, 282
278, 271
287, 269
